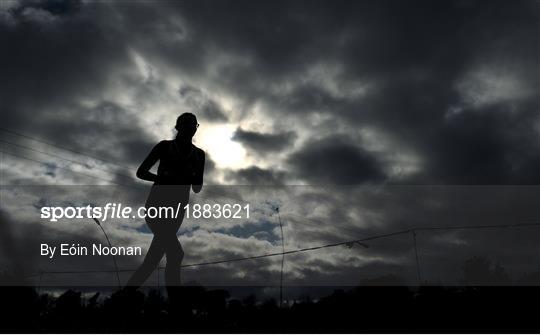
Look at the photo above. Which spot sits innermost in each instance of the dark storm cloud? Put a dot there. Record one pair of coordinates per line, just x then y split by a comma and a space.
414, 55
255, 175
335, 160
53, 65
263, 143
202, 104
488, 147
55, 62
410, 55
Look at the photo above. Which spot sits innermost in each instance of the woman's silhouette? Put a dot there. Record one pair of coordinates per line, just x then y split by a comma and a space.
181, 167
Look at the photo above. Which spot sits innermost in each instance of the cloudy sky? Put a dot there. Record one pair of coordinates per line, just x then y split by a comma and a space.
357, 94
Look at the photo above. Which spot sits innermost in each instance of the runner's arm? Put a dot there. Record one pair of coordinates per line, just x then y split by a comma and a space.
143, 172
198, 178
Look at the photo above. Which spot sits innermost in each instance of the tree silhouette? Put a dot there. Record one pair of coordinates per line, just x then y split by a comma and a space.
481, 271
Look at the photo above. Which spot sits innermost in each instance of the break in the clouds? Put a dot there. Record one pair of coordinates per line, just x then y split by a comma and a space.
451, 87
286, 92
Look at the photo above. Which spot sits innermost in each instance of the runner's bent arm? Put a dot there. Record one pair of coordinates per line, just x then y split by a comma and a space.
198, 178
143, 172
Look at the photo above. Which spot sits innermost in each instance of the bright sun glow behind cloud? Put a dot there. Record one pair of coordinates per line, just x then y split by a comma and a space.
216, 141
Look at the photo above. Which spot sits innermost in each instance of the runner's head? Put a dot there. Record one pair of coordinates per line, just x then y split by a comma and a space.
187, 125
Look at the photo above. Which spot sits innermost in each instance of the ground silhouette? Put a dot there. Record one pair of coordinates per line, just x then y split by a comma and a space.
354, 309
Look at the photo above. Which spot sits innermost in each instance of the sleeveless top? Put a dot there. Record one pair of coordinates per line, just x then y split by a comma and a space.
176, 167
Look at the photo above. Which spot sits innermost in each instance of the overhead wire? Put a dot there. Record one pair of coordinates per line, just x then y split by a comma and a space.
238, 259
322, 246
60, 147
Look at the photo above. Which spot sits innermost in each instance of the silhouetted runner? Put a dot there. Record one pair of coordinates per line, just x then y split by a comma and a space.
181, 167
